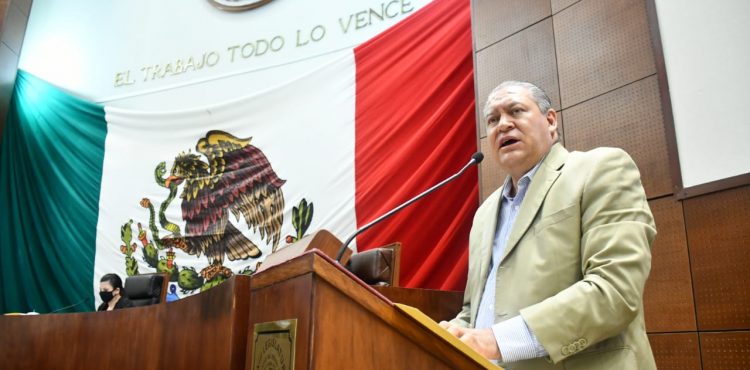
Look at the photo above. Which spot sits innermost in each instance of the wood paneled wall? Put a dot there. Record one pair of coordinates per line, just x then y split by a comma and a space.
13, 18
596, 61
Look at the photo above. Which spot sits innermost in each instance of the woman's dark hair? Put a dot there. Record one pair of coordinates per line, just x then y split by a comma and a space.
115, 281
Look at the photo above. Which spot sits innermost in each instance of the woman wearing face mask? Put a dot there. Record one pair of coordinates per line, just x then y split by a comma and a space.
112, 293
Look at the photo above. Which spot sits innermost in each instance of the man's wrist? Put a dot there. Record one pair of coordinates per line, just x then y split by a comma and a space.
515, 341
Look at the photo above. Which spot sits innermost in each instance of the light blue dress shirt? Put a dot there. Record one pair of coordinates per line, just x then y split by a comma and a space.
514, 338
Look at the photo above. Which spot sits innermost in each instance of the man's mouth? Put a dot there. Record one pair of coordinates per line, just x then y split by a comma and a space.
508, 142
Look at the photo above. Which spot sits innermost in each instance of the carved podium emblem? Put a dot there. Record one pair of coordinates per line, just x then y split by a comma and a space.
273, 345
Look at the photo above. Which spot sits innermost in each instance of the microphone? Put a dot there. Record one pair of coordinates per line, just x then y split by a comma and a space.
71, 306
476, 158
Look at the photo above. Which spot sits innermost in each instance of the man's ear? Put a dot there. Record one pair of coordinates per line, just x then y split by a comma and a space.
552, 122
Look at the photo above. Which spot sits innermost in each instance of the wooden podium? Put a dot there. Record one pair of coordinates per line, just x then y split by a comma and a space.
307, 312
340, 324
203, 331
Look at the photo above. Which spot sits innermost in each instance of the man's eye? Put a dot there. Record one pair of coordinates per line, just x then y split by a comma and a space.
517, 111
492, 121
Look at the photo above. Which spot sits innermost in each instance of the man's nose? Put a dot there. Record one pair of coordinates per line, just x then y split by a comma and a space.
505, 124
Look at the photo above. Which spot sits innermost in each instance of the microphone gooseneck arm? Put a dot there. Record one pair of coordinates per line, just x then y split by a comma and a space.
475, 159
70, 306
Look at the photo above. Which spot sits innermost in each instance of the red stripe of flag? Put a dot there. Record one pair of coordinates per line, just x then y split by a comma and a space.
415, 125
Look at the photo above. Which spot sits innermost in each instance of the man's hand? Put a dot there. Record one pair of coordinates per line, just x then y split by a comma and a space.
481, 340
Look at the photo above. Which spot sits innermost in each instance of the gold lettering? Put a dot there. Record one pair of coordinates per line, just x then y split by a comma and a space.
168, 69
387, 10
316, 34
321, 32
190, 64
280, 42
252, 50
212, 55
178, 67
361, 21
146, 71
345, 29
298, 40
261, 47
231, 50
373, 12
388, 7
156, 72
406, 6
123, 78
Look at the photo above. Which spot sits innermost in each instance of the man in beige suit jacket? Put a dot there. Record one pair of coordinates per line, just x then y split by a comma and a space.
576, 253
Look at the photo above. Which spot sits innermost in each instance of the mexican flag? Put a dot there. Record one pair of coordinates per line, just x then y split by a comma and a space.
209, 192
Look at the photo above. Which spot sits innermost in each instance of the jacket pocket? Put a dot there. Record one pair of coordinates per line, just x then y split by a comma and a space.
555, 217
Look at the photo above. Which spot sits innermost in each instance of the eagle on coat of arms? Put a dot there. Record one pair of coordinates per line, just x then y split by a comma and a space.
238, 178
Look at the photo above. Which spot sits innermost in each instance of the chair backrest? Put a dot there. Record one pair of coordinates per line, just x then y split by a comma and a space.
146, 289
377, 266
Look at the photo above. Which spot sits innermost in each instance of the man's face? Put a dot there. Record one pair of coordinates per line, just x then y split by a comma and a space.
520, 135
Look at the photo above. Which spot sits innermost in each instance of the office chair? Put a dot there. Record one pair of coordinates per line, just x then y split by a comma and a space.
146, 289
377, 266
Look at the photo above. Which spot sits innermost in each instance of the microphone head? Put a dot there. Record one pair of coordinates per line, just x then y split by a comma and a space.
477, 157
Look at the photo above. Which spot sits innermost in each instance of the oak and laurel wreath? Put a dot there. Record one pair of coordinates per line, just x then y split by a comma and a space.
158, 253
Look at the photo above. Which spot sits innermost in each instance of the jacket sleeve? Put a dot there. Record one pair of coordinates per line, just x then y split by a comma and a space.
617, 230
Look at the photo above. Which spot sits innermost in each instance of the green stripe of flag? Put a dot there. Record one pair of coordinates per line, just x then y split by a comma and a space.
50, 175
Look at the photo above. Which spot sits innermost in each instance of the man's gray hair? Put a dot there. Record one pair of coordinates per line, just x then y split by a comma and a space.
539, 96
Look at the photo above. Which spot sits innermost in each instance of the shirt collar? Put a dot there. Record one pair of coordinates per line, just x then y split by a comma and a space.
523, 183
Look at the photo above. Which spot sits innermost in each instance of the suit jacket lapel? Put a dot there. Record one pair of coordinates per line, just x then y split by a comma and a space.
488, 238
540, 185
484, 253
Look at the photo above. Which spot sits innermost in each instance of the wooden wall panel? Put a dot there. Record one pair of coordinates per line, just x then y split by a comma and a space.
13, 19
527, 56
628, 118
676, 351
23, 5
14, 28
725, 351
560, 127
601, 45
495, 20
8, 68
558, 5
3, 10
719, 240
668, 299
